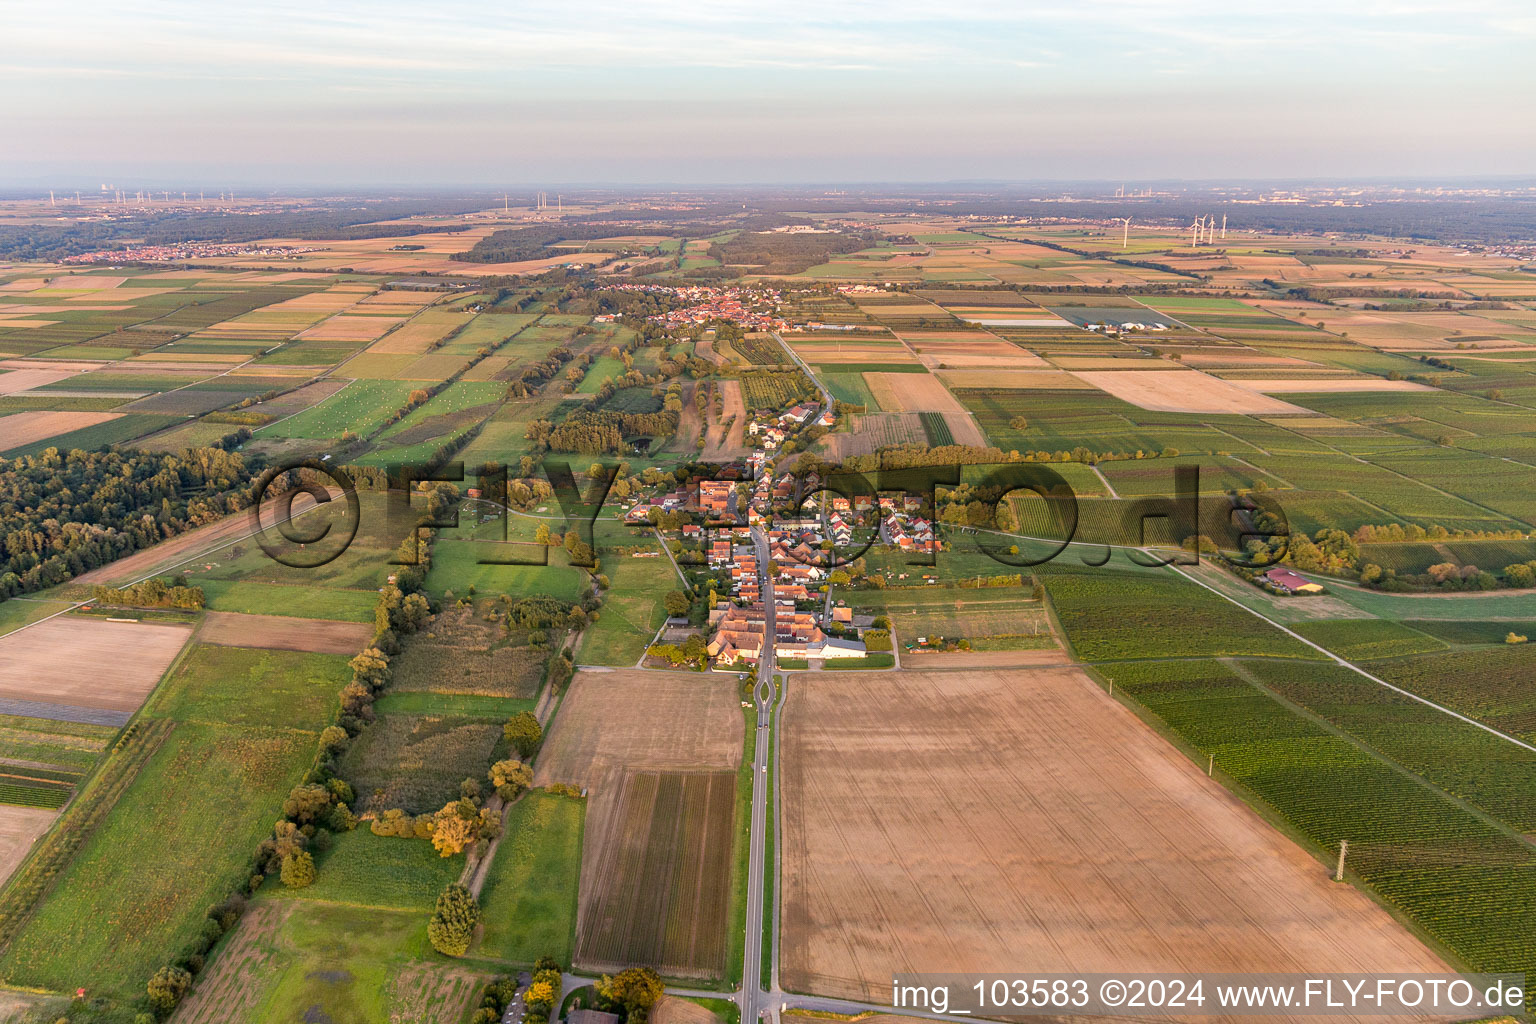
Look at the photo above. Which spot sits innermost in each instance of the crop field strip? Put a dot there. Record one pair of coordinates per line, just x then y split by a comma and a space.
664, 876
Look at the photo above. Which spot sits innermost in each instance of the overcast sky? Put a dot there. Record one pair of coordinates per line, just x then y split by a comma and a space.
790, 91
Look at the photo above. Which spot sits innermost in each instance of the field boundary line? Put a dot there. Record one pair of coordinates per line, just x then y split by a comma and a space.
1356, 668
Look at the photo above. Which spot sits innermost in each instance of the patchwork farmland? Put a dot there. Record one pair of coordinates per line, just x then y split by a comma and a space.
1376, 394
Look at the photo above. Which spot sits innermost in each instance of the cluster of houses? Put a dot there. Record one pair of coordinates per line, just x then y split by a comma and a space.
797, 520
1127, 327
740, 624
186, 251
755, 309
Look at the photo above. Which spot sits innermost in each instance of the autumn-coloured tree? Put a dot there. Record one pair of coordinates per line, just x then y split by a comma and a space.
510, 778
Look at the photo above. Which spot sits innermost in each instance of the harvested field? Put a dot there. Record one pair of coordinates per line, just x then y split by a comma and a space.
963, 429
676, 1010
911, 392
302, 398
1011, 379
1287, 385
24, 379
417, 762
1075, 840
1185, 391
24, 428
660, 892
853, 352
691, 721
1128, 361
111, 665
19, 828
416, 337
350, 328
281, 633
188, 546
869, 432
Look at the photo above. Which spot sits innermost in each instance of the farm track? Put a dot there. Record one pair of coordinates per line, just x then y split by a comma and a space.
1356, 668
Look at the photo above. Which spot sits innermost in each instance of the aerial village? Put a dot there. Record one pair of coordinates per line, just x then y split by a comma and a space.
710, 526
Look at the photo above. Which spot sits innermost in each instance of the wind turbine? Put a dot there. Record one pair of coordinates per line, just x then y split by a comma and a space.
1125, 239
1223, 225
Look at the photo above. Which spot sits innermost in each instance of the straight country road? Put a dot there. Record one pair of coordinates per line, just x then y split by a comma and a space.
752, 997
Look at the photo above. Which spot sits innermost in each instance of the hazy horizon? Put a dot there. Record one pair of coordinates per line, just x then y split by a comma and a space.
382, 94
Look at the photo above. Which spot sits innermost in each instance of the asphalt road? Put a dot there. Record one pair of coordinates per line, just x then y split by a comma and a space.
754, 1001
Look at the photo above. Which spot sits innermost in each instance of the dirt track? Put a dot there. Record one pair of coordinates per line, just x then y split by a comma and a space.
24, 428
1007, 820
613, 724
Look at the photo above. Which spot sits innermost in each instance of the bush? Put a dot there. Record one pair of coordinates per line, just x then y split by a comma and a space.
453, 922
524, 734
167, 988
510, 779
298, 870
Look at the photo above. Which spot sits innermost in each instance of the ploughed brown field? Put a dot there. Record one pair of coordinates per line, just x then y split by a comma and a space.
661, 887
23, 428
19, 829
282, 633
1021, 819
109, 665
